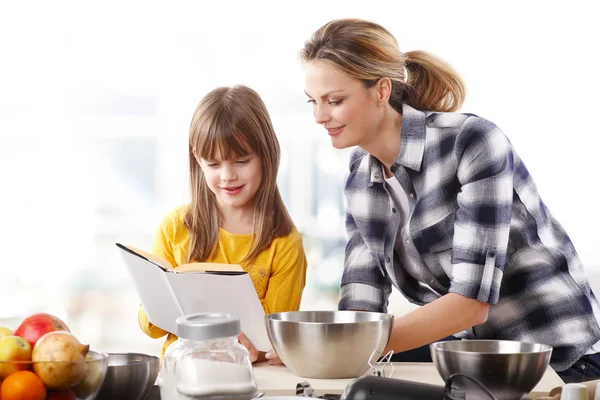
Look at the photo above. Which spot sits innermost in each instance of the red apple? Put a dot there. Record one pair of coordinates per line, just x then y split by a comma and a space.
68, 394
37, 325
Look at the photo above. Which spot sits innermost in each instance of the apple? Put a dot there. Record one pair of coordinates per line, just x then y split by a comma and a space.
4, 331
13, 348
67, 394
37, 325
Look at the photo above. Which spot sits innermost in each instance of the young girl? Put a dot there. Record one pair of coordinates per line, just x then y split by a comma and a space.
440, 205
236, 215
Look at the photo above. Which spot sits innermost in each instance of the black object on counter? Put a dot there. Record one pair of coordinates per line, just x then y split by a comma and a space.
154, 393
380, 388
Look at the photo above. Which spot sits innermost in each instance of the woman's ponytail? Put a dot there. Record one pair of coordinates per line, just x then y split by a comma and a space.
432, 83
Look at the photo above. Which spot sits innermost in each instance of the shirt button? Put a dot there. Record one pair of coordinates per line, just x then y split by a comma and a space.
412, 196
393, 210
388, 260
376, 176
407, 241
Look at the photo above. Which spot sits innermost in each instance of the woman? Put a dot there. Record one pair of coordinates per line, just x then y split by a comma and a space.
441, 206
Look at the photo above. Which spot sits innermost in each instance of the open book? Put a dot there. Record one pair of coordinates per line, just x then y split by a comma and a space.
167, 293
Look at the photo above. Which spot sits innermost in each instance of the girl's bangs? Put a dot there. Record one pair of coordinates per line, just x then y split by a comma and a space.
225, 139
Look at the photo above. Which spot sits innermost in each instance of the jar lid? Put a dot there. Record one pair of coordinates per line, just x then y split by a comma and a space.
204, 326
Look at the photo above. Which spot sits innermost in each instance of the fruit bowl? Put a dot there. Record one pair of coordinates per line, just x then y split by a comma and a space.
22, 374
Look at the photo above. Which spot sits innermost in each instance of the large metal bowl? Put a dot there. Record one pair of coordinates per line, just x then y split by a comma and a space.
508, 369
130, 376
328, 344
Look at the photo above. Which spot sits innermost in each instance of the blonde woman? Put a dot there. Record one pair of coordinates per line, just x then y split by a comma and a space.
236, 214
440, 205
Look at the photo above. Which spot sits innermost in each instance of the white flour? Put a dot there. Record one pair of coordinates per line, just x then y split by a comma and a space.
200, 378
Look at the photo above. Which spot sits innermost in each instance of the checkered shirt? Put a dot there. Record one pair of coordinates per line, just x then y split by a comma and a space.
476, 226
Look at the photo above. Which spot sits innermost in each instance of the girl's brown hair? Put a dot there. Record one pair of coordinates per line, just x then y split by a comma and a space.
235, 121
368, 52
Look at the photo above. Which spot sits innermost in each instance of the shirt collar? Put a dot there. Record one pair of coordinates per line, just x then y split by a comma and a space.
412, 144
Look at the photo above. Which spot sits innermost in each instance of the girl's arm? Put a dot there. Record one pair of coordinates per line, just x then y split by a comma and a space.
286, 284
147, 327
288, 275
443, 317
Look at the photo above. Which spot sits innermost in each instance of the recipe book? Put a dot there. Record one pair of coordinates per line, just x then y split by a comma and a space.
167, 293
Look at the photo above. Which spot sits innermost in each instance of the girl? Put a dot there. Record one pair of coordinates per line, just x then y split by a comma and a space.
236, 215
441, 206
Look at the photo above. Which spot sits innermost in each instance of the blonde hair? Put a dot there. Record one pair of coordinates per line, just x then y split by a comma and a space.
367, 51
235, 121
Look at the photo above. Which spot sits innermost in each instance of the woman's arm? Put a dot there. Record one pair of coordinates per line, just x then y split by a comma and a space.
363, 286
443, 317
481, 229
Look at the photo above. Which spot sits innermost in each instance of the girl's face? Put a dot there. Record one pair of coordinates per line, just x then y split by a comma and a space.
345, 108
234, 182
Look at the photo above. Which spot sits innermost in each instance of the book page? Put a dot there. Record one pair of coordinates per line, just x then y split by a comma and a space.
223, 293
153, 289
208, 267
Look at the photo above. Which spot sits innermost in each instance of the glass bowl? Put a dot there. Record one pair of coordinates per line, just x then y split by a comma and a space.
66, 375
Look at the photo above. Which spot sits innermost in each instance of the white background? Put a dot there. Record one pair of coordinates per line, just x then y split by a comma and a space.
82, 81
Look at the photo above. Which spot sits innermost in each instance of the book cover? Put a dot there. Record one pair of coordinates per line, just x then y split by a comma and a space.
167, 293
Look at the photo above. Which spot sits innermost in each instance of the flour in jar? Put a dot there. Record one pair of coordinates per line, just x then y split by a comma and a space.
202, 378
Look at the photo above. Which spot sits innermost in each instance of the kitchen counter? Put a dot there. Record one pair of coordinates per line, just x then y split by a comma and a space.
280, 381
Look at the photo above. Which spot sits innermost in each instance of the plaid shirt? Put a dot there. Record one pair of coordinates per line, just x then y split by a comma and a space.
476, 227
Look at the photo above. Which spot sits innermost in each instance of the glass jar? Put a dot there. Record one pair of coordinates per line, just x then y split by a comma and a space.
207, 361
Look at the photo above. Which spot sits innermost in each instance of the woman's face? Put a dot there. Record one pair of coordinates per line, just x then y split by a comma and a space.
342, 104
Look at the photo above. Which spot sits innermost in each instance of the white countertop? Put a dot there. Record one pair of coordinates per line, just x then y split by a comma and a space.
280, 381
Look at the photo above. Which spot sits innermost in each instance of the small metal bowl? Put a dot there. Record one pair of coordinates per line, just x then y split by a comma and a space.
508, 369
129, 376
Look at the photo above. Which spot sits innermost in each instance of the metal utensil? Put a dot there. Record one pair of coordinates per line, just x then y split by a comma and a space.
508, 369
130, 376
328, 344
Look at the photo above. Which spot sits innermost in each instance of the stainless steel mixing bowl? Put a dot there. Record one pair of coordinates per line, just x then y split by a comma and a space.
130, 376
328, 344
508, 369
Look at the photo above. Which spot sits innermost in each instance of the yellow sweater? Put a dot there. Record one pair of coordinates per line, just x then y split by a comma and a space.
278, 273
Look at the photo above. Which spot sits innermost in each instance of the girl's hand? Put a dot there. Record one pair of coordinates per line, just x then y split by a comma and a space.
249, 346
270, 356
273, 358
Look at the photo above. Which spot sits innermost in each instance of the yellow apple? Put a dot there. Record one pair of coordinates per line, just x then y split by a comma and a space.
13, 348
4, 331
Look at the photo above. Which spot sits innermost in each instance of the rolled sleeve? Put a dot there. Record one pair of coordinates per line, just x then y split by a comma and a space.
482, 225
475, 282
